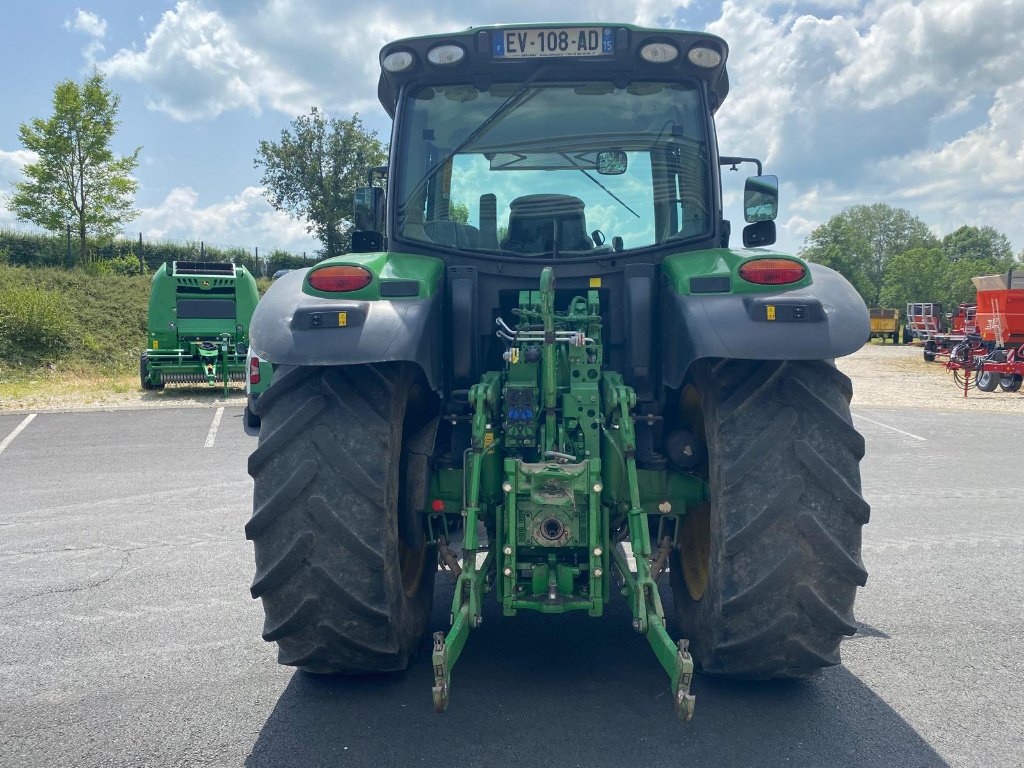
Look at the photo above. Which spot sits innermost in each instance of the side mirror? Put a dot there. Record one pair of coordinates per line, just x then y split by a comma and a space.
368, 212
761, 199
759, 234
612, 162
368, 209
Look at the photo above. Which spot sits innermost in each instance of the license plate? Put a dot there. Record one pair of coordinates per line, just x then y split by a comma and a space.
563, 41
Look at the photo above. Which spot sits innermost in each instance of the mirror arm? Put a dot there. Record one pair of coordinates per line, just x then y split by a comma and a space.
734, 161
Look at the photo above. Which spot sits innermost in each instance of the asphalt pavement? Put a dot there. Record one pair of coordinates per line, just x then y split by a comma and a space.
128, 636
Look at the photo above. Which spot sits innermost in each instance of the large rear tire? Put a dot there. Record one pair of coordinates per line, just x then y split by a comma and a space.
341, 588
765, 579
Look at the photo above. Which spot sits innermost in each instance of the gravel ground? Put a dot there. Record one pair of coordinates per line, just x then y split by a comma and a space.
893, 376
889, 376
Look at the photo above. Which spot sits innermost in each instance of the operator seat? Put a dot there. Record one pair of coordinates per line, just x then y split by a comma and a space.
537, 223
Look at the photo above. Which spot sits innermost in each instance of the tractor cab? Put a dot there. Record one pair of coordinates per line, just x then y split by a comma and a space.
554, 143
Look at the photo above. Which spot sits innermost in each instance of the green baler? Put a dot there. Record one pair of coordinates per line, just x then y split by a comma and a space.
199, 314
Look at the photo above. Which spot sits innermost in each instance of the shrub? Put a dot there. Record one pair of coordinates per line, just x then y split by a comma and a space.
35, 324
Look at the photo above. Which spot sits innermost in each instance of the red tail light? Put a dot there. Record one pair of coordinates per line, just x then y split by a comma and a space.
339, 279
254, 371
772, 271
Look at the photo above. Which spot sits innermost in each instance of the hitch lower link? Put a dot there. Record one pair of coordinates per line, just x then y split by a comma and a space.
641, 586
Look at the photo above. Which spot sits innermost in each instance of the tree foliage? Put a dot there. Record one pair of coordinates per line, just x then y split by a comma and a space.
313, 170
860, 241
892, 259
77, 179
979, 243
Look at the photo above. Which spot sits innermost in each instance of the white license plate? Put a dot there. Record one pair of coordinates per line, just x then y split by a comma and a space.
563, 41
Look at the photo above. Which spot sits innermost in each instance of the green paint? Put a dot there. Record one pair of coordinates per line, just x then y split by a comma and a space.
385, 267
550, 465
186, 343
724, 262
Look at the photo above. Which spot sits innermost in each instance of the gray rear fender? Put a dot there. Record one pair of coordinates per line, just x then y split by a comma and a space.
822, 321
290, 327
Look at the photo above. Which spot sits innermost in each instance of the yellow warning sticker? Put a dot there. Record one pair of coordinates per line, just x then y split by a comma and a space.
342, 319
156, 344
595, 282
488, 439
771, 311
514, 357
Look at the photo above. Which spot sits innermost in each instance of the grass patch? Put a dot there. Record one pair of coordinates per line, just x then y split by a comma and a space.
102, 321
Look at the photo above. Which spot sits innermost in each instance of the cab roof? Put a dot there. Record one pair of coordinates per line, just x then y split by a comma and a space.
482, 63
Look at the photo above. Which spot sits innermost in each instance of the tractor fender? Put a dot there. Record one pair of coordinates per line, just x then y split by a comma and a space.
821, 321
290, 327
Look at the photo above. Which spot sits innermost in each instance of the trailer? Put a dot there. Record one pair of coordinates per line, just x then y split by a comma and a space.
992, 354
942, 333
885, 324
988, 369
1000, 308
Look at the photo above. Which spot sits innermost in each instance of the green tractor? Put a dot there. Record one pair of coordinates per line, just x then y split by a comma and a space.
199, 314
543, 369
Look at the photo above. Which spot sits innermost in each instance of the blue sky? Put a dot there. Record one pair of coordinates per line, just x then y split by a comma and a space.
917, 104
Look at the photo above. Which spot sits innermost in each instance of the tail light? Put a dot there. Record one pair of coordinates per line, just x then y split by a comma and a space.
772, 271
254, 371
339, 279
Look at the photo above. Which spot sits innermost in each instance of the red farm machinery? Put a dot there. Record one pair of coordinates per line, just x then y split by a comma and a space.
992, 355
940, 333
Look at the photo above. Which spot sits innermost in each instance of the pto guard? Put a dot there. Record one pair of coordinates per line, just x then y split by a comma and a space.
822, 321
290, 327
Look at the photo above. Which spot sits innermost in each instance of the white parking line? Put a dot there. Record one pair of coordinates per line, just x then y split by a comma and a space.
10, 438
880, 424
211, 437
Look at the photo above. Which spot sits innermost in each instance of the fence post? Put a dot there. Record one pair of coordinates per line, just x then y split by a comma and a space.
202, 250
142, 261
67, 260
257, 264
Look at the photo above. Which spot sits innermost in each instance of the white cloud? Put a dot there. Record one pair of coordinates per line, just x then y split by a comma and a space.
12, 162
200, 60
912, 102
93, 27
88, 23
195, 66
854, 108
246, 220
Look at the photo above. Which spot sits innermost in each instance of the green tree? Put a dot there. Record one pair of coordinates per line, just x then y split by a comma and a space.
866, 237
313, 170
973, 243
458, 212
920, 274
77, 179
